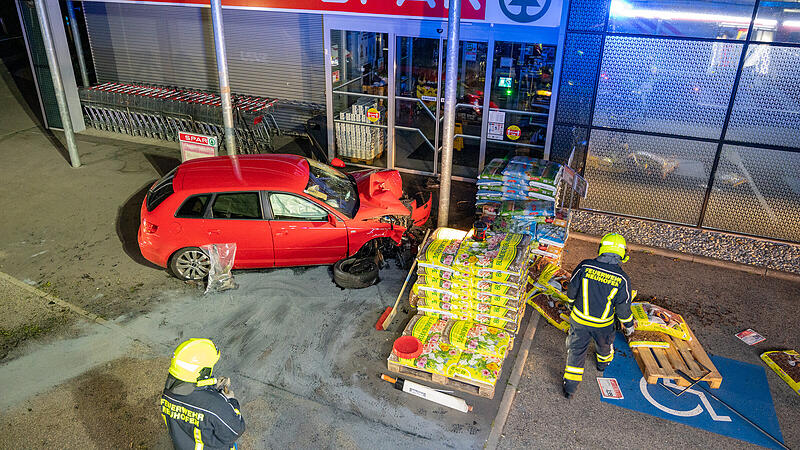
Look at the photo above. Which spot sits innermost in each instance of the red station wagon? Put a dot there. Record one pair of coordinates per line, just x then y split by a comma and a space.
280, 210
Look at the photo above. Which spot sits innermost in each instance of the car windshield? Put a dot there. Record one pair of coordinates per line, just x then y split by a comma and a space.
336, 189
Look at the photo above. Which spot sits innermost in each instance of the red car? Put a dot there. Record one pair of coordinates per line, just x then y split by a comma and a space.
280, 210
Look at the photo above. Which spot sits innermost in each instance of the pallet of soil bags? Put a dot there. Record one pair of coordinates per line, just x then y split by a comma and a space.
449, 249
786, 363
489, 315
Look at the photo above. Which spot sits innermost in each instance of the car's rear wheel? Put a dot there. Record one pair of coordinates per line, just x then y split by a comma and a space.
355, 273
190, 263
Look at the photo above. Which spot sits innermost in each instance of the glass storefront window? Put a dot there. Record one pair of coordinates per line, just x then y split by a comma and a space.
778, 22
522, 80
720, 20
359, 76
416, 96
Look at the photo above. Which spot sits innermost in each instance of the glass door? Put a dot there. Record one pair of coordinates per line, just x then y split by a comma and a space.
417, 92
359, 78
522, 79
469, 106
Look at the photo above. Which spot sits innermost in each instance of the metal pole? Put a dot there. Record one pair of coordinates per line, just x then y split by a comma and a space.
76, 39
58, 84
450, 85
222, 68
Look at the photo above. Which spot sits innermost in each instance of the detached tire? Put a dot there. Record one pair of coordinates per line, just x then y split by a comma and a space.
355, 273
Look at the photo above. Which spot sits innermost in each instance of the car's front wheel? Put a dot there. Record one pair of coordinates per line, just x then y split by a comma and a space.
190, 263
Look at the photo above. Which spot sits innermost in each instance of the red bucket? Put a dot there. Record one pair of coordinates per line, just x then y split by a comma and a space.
407, 347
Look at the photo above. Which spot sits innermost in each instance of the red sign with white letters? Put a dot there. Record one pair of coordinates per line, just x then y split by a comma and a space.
470, 9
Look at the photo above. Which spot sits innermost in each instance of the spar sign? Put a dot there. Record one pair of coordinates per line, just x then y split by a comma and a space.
541, 13
195, 146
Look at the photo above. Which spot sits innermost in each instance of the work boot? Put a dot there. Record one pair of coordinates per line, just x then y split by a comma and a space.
567, 394
601, 367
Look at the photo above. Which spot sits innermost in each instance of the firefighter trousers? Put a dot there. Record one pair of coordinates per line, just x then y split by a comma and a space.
578, 344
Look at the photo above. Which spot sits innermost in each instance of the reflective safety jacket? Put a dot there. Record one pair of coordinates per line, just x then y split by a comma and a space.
598, 291
202, 420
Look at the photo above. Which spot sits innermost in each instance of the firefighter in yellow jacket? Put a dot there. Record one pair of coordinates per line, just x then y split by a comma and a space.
599, 291
200, 411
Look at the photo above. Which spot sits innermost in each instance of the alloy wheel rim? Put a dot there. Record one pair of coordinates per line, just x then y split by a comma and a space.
193, 264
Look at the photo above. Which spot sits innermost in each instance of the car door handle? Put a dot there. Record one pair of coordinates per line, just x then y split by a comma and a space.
213, 232
281, 233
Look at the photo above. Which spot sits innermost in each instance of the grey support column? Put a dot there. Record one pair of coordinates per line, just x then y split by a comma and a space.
58, 83
450, 91
222, 68
76, 38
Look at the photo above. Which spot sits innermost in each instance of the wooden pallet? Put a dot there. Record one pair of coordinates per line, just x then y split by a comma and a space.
368, 162
457, 383
681, 355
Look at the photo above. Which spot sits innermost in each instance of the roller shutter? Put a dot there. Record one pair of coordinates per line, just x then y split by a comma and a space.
273, 54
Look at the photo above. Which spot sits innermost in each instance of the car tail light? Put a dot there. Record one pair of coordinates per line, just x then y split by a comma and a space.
149, 227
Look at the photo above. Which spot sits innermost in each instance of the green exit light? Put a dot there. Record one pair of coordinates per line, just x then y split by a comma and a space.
509, 91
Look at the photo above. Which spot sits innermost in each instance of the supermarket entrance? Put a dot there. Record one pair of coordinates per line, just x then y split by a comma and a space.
386, 93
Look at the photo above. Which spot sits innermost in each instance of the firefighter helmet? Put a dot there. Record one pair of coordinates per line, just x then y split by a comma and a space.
191, 358
614, 243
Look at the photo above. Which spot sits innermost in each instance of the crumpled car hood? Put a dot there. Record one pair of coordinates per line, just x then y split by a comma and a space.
379, 192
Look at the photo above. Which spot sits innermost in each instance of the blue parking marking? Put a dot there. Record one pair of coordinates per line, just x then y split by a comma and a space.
744, 387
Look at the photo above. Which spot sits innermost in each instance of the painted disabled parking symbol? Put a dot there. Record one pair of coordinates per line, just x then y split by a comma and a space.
744, 387
703, 403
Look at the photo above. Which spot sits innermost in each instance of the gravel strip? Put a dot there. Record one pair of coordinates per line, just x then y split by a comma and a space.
712, 244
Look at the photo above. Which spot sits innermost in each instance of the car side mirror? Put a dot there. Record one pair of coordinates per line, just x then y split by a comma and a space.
336, 162
331, 220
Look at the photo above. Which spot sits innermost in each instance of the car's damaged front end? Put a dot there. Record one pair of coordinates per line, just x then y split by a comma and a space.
385, 211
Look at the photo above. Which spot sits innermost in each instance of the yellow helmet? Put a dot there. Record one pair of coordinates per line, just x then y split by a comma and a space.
614, 243
191, 358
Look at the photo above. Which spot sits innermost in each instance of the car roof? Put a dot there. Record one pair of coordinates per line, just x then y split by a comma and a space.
267, 172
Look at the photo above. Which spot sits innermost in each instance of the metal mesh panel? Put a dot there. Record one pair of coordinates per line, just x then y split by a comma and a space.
666, 85
40, 66
578, 78
588, 15
648, 176
565, 138
756, 191
767, 105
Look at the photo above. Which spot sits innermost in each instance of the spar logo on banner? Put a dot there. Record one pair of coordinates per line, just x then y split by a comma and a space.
373, 115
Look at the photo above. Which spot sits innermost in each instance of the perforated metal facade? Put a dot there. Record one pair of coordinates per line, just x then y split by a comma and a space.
689, 123
665, 85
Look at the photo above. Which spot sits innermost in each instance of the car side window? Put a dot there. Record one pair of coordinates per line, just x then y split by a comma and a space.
194, 207
236, 205
292, 207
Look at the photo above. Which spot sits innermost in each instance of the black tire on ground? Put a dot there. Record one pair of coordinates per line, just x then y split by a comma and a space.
355, 273
190, 263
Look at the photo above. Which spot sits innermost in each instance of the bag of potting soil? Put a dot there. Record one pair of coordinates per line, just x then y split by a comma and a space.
492, 185
494, 170
481, 368
478, 338
468, 311
516, 193
450, 273
438, 253
647, 339
550, 308
468, 286
527, 208
534, 172
486, 194
550, 234
498, 253
552, 280
468, 301
650, 317
786, 363
547, 250
437, 356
